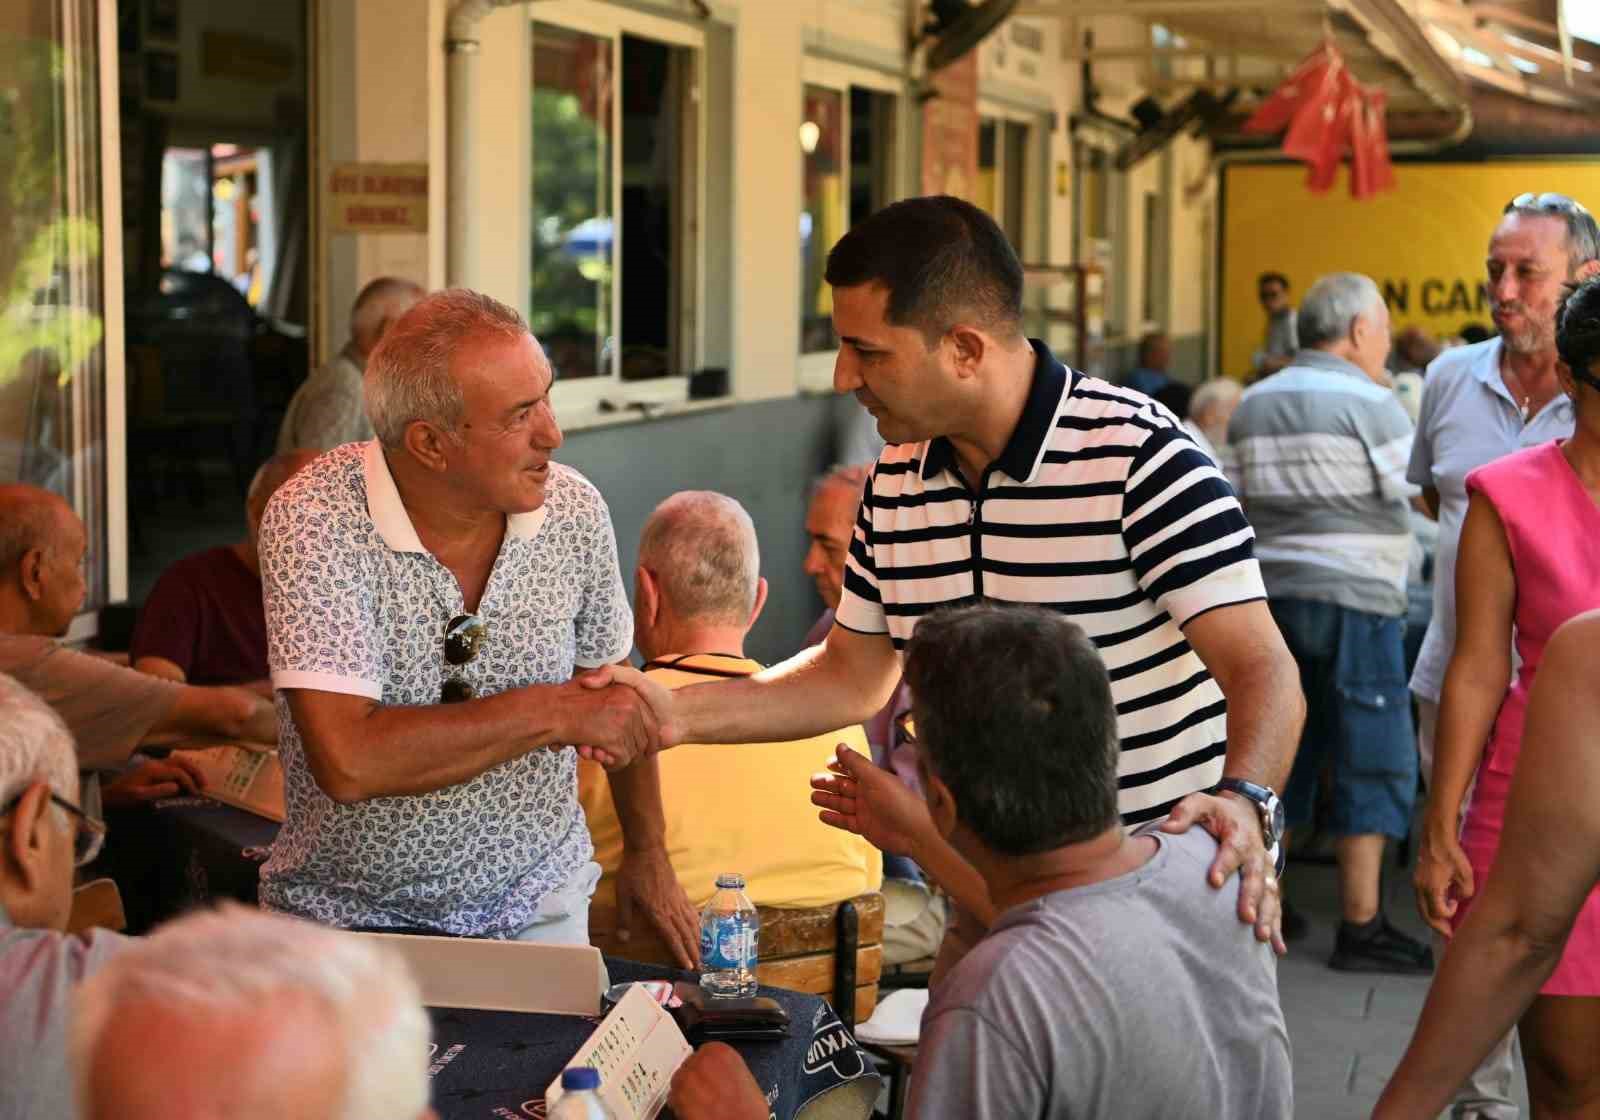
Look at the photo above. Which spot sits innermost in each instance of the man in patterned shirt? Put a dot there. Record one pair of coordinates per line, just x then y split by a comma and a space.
429, 595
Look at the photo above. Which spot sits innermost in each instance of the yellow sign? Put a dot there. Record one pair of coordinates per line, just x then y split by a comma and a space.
1423, 242
378, 198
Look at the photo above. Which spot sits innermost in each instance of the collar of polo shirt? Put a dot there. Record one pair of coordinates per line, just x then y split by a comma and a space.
392, 521
1024, 451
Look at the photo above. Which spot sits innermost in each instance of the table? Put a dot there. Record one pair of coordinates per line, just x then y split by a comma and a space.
491, 1064
497, 1064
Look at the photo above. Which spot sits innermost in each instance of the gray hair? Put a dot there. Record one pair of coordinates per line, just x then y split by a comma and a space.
34, 744
1583, 238
702, 547
380, 298
28, 520
1217, 392
242, 962
1333, 304
852, 477
408, 376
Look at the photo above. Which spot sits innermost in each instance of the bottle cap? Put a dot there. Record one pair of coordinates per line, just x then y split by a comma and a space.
579, 1078
731, 881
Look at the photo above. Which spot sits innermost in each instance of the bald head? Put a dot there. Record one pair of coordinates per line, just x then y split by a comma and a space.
380, 304
42, 547
701, 547
30, 519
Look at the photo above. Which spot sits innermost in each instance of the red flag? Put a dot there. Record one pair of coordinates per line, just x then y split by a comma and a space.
1321, 129
1278, 110
1370, 169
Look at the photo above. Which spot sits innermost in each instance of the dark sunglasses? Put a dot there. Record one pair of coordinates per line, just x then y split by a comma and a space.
91, 835
1549, 202
464, 636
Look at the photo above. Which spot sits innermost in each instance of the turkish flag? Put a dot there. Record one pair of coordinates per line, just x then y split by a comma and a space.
1277, 111
1370, 169
1321, 129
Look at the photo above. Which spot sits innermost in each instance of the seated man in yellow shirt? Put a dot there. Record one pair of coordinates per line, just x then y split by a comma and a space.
741, 808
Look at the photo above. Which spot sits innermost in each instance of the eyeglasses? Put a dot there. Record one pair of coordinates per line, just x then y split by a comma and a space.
1549, 201
91, 835
464, 636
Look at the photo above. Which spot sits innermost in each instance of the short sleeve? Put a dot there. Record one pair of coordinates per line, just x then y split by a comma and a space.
1419, 470
1192, 549
970, 1069
322, 629
860, 602
1389, 442
169, 622
604, 623
108, 707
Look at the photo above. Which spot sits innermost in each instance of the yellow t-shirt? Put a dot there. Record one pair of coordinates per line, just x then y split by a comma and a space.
744, 808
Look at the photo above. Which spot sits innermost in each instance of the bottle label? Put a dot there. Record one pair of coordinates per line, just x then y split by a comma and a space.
728, 942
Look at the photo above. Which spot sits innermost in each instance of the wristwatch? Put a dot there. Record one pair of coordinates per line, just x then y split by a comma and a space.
1267, 806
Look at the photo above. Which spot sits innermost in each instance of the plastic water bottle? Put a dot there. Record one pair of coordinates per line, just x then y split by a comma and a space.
580, 1096
729, 929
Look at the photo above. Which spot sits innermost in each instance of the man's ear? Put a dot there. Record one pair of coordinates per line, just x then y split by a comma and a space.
1585, 270
646, 595
969, 346
761, 601
22, 854
1569, 384
31, 571
428, 445
941, 802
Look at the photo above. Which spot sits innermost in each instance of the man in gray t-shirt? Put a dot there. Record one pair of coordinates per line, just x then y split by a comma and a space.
1114, 982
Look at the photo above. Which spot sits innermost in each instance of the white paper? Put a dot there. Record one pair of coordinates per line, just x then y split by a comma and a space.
897, 1021
636, 1050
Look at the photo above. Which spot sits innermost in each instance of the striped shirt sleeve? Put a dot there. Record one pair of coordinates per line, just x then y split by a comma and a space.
1189, 542
1388, 436
861, 603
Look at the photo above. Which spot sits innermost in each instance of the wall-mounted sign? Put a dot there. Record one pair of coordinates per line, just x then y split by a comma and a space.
377, 198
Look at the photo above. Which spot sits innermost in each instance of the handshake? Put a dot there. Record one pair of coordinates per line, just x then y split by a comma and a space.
617, 715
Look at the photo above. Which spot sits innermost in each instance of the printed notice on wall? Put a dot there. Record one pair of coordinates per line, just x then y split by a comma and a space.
378, 198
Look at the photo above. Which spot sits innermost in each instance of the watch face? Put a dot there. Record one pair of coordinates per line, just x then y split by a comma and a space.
1276, 813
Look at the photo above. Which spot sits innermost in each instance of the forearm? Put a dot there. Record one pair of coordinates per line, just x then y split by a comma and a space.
955, 876
1491, 972
1266, 711
160, 667
636, 793
815, 691
392, 750
1468, 703
226, 713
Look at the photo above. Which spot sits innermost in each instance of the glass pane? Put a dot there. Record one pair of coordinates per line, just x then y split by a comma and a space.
871, 152
822, 219
52, 358
987, 197
570, 306
1015, 181
185, 210
654, 79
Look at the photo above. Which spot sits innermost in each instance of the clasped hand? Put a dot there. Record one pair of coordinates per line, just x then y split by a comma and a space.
622, 716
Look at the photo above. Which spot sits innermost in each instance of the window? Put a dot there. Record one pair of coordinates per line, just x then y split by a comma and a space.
212, 217
615, 197
53, 329
848, 171
1003, 151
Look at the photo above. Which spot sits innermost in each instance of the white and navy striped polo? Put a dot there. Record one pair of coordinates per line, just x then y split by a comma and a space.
1100, 507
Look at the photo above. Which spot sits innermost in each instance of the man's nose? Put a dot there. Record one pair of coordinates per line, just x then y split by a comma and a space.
814, 565
846, 375
546, 434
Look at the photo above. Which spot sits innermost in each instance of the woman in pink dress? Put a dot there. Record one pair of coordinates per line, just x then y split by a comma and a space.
1529, 561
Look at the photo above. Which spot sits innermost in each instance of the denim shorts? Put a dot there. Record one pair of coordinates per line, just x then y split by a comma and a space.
1358, 718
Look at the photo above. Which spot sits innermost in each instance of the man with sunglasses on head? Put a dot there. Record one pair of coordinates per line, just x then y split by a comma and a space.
1481, 402
43, 836
429, 595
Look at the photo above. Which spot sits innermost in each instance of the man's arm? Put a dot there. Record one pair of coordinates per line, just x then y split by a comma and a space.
842, 681
154, 666
358, 748
646, 877
1245, 654
1548, 862
231, 713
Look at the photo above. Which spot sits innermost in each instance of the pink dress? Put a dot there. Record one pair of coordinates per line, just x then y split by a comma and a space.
1553, 528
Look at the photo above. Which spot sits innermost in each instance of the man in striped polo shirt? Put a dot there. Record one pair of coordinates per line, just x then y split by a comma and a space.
1322, 448
1011, 478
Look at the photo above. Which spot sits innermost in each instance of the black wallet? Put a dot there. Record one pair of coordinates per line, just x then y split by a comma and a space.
704, 1018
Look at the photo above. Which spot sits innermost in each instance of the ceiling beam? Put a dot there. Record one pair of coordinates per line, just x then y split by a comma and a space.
1156, 9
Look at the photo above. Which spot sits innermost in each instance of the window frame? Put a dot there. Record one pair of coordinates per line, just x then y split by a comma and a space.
814, 371
578, 402
1036, 132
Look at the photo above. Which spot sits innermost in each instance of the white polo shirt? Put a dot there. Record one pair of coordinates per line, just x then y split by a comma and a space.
355, 604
